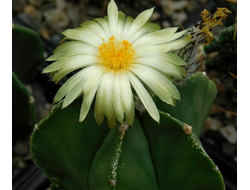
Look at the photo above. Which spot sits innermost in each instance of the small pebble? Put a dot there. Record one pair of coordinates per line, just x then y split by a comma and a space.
57, 18
166, 24
179, 5
21, 149
179, 17
229, 132
213, 124
155, 16
60, 4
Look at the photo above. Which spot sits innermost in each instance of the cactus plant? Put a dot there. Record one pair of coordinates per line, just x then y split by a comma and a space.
168, 155
27, 55
27, 52
124, 64
23, 109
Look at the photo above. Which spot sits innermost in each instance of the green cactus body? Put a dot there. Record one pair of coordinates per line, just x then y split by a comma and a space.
27, 55
27, 52
168, 156
23, 110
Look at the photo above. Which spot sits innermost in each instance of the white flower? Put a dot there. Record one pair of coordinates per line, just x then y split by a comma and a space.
117, 56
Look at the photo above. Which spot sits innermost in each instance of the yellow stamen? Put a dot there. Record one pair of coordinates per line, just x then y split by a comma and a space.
116, 54
212, 20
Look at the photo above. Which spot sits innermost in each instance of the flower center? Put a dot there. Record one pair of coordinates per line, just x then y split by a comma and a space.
116, 54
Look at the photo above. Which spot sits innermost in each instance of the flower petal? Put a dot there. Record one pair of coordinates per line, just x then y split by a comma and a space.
55, 66
74, 92
107, 82
112, 11
173, 37
159, 64
144, 96
70, 83
117, 86
146, 28
98, 111
96, 73
85, 85
157, 76
112, 122
127, 98
128, 23
121, 22
105, 25
140, 20
153, 80
177, 44
75, 62
126, 95
95, 27
167, 56
130, 116
87, 101
83, 35
155, 37
73, 48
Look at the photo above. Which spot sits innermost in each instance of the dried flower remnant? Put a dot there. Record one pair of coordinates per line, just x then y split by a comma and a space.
212, 20
201, 34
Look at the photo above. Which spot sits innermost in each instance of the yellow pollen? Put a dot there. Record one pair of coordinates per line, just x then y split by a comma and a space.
212, 20
116, 54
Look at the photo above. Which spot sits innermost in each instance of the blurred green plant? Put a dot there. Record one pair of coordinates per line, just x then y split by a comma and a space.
27, 55
23, 110
27, 52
